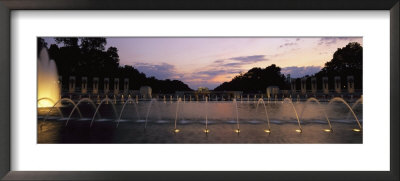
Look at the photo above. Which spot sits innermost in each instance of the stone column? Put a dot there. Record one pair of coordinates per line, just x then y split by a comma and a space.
72, 83
84, 85
304, 85
338, 88
95, 85
293, 85
106, 85
126, 86
325, 85
116, 86
350, 84
314, 85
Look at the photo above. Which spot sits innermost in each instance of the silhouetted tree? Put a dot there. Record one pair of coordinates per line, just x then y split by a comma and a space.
88, 44
255, 80
68, 42
346, 61
87, 57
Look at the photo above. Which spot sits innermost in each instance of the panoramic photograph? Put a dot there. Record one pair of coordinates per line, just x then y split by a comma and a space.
200, 90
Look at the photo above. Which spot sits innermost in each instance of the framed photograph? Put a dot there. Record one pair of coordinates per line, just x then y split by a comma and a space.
277, 91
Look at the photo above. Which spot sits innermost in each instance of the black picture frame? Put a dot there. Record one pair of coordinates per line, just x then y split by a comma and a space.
7, 6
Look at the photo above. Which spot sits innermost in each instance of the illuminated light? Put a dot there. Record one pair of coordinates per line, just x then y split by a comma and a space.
237, 130
327, 130
45, 103
299, 130
206, 131
356, 130
176, 130
267, 131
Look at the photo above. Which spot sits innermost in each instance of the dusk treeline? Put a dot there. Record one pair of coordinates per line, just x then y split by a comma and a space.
88, 57
346, 61
256, 80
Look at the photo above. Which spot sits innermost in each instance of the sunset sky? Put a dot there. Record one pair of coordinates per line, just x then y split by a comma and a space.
208, 62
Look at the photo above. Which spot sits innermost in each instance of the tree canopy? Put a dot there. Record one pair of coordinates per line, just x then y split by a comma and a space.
346, 61
255, 80
89, 57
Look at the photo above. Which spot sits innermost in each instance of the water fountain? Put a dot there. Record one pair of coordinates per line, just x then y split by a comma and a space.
237, 117
351, 110
300, 130
98, 107
312, 99
276, 118
48, 81
268, 128
206, 130
176, 130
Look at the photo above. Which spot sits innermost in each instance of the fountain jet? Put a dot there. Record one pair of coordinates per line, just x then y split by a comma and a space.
300, 130
48, 83
348, 106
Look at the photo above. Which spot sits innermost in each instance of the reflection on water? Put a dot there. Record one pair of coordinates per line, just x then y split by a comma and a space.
191, 123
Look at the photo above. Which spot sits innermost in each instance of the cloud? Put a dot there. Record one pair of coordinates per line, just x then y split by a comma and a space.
237, 62
333, 40
219, 61
288, 44
250, 59
216, 72
159, 71
296, 72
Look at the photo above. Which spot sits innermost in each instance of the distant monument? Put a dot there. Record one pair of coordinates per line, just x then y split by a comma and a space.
106, 85
338, 88
203, 90
95, 85
84, 85
72, 84
272, 91
325, 85
145, 92
350, 84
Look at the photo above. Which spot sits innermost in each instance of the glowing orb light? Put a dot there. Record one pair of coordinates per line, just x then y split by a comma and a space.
356, 130
206, 131
299, 130
267, 131
237, 130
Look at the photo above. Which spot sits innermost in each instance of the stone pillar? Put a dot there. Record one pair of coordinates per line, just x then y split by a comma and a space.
304, 85
338, 88
84, 85
106, 85
350, 84
72, 83
293, 85
116, 86
325, 85
314, 85
95, 85
126, 86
